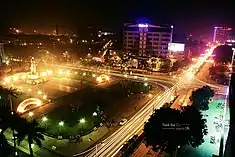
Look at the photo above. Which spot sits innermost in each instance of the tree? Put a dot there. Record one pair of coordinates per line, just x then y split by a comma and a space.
200, 97
5, 114
6, 96
8, 121
197, 128
169, 128
176, 65
223, 54
157, 135
33, 132
166, 65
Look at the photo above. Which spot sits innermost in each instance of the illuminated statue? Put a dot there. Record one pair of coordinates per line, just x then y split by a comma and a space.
33, 69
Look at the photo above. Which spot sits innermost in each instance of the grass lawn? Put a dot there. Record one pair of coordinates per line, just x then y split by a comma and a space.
82, 104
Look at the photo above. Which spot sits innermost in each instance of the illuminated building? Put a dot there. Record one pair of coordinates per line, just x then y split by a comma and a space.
221, 34
145, 41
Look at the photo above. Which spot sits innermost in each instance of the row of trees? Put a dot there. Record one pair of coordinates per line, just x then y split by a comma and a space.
219, 72
20, 127
169, 129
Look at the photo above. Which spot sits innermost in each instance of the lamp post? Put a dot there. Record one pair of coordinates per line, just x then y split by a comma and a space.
82, 121
61, 124
44, 120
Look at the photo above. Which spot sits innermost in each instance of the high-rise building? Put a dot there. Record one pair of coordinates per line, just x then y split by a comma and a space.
146, 41
221, 34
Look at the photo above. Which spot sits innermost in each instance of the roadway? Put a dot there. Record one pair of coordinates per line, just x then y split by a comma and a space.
112, 145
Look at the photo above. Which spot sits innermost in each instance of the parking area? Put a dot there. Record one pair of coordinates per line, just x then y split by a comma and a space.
214, 125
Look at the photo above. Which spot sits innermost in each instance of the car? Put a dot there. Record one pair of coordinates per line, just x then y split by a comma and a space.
123, 121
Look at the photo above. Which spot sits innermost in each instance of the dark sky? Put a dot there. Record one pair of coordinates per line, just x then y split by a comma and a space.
197, 17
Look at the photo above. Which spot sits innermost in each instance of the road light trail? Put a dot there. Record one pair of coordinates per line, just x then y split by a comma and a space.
112, 145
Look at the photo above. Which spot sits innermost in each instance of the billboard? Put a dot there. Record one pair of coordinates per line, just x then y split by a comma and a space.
176, 47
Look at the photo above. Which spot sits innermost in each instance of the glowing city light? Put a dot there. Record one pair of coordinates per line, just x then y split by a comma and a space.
82, 120
23, 77
44, 119
60, 72
61, 123
50, 72
15, 78
27, 102
94, 114
39, 92
145, 84
142, 25
43, 74
31, 114
44, 97
7, 79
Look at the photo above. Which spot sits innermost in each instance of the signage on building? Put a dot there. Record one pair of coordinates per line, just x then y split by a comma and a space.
176, 47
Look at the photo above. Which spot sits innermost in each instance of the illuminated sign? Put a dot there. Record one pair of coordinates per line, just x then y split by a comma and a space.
143, 25
176, 47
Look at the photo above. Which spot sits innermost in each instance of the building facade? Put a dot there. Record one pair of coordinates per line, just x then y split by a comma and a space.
222, 34
145, 40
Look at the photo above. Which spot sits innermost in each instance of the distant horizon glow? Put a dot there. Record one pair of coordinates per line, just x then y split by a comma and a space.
143, 25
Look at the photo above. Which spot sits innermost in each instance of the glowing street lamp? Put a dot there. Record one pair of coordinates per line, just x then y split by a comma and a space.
94, 114
84, 74
93, 75
30, 114
61, 123
145, 84
145, 79
82, 121
39, 92
44, 119
44, 97
15, 78
29, 90
7, 79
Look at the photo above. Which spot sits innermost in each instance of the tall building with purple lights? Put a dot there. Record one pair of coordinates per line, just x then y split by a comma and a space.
222, 34
146, 40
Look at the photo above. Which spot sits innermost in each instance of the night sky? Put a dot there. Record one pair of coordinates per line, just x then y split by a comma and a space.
196, 17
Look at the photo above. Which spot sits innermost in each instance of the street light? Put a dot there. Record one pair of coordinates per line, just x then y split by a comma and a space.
84, 74
83, 120
44, 97
44, 119
61, 123
94, 114
39, 92
30, 114
145, 84
93, 75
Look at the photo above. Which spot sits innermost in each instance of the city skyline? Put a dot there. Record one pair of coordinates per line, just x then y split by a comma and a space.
75, 15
